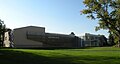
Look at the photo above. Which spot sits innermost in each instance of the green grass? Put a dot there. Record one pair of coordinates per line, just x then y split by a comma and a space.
96, 55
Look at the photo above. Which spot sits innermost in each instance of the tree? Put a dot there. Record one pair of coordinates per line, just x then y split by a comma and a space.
111, 40
108, 14
2, 31
72, 33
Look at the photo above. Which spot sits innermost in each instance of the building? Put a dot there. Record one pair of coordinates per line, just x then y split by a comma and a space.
8, 39
90, 40
36, 37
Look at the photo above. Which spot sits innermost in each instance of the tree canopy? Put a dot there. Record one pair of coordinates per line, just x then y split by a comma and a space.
2, 31
108, 14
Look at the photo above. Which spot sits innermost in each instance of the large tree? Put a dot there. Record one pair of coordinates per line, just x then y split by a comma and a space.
111, 40
2, 31
108, 14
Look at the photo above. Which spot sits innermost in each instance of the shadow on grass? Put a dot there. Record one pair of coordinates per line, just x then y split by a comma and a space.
19, 57
53, 48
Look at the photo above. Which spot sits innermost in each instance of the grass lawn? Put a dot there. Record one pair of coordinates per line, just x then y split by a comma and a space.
96, 55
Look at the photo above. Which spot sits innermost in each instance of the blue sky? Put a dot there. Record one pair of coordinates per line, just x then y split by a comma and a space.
57, 16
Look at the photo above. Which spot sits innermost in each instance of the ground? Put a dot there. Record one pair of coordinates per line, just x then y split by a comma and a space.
96, 55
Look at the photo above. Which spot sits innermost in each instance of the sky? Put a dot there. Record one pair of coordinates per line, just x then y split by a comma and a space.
57, 16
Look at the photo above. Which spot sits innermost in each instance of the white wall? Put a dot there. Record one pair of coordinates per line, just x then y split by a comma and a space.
6, 40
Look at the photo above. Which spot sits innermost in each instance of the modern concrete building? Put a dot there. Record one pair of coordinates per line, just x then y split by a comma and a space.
20, 36
90, 40
6, 40
35, 37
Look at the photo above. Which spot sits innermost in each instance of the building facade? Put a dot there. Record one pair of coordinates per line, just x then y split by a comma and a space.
20, 37
6, 40
91, 40
35, 37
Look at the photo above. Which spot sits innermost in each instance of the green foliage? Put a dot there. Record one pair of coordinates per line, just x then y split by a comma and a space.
111, 39
103, 55
108, 14
2, 30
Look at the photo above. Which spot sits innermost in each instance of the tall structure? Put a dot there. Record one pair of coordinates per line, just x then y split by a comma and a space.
6, 40
33, 36
21, 36
36, 37
91, 40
